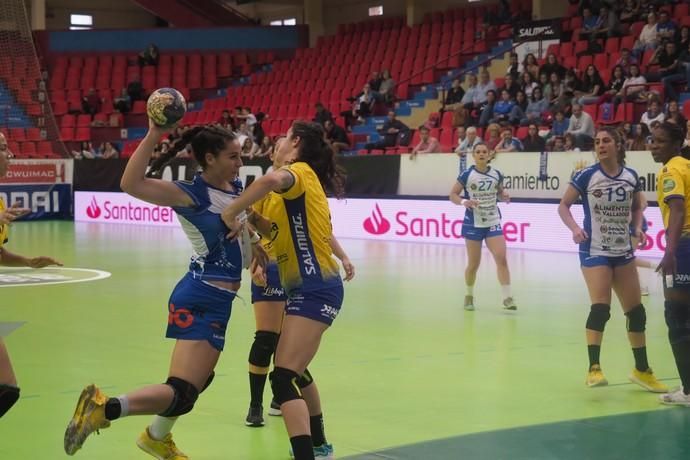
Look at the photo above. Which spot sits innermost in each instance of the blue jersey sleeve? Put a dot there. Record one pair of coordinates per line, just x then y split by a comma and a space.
581, 180
464, 177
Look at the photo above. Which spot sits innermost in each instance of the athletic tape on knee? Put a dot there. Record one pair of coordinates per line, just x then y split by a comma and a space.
305, 379
637, 319
185, 395
284, 385
599, 314
8, 397
263, 348
209, 381
677, 315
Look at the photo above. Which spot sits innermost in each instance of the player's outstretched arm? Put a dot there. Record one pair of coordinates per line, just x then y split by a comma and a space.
10, 259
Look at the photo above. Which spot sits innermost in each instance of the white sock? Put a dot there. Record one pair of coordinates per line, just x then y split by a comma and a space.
161, 426
505, 289
469, 290
124, 406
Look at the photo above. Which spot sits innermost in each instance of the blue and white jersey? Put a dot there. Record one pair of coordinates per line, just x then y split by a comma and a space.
215, 257
482, 187
607, 203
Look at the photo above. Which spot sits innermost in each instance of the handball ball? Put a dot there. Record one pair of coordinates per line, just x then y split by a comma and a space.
166, 106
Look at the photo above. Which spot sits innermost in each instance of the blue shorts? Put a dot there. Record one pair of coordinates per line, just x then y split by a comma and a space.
322, 305
598, 261
470, 232
273, 291
199, 311
682, 278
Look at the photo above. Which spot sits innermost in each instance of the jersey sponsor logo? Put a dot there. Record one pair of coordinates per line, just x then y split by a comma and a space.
93, 210
329, 312
597, 193
273, 292
377, 224
669, 184
303, 244
180, 317
682, 278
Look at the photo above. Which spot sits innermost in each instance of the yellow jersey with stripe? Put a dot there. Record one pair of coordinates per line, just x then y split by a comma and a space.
4, 229
302, 243
674, 182
261, 207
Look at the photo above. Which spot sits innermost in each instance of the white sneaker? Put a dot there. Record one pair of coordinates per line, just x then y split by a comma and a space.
509, 304
469, 303
677, 398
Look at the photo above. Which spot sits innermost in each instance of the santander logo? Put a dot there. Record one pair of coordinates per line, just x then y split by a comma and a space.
93, 210
377, 224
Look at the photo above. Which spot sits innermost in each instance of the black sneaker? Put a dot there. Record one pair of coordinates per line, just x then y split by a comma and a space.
274, 410
255, 417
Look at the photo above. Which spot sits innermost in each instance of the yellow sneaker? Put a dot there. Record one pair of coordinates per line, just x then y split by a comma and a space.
595, 377
89, 416
648, 381
162, 450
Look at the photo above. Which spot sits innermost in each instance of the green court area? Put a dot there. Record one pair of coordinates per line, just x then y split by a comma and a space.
405, 372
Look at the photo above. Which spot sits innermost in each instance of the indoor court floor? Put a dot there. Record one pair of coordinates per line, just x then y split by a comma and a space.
405, 372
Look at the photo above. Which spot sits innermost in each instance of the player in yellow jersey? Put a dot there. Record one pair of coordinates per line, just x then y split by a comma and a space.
268, 300
308, 272
9, 391
673, 190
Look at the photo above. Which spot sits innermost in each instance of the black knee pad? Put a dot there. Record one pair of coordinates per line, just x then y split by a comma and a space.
284, 385
598, 316
209, 381
305, 379
263, 348
183, 401
637, 319
8, 397
677, 316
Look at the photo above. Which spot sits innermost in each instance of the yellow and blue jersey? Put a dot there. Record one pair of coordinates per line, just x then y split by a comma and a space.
674, 182
4, 229
261, 207
303, 233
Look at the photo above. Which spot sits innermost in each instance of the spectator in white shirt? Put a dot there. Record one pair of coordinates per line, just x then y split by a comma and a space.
471, 140
653, 114
648, 39
485, 84
631, 89
582, 127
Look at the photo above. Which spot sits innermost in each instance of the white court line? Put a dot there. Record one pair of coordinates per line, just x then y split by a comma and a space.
97, 275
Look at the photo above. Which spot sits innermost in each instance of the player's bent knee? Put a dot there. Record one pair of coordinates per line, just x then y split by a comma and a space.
305, 379
599, 314
677, 315
185, 395
284, 385
209, 381
263, 348
8, 397
637, 319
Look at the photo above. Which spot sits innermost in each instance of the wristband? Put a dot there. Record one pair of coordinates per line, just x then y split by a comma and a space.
462, 202
255, 238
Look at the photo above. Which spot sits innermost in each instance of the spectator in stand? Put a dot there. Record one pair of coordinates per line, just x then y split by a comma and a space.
266, 147
511, 85
570, 143
582, 127
514, 68
560, 124
322, 115
653, 114
427, 144
149, 56
684, 64
609, 24
666, 28
508, 143
536, 109
521, 104
556, 93
558, 144
626, 60
528, 84
391, 130
531, 66
387, 88
454, 96
123, 102
461, 132
686, 142
674, 115
649, 38
533, 142
86, 150
503, 108
226, 121
485, 84
670, 70
249, 148
468, 144
631, 11
336, 137
571, 83
633, 87
108, 151
683, 38
552, 66
91, 103
638, 139
615, 85
135, 90
592, 87
375, 82
487, 109
493, 136
591, 24
470, 100
249, 118
365, 102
